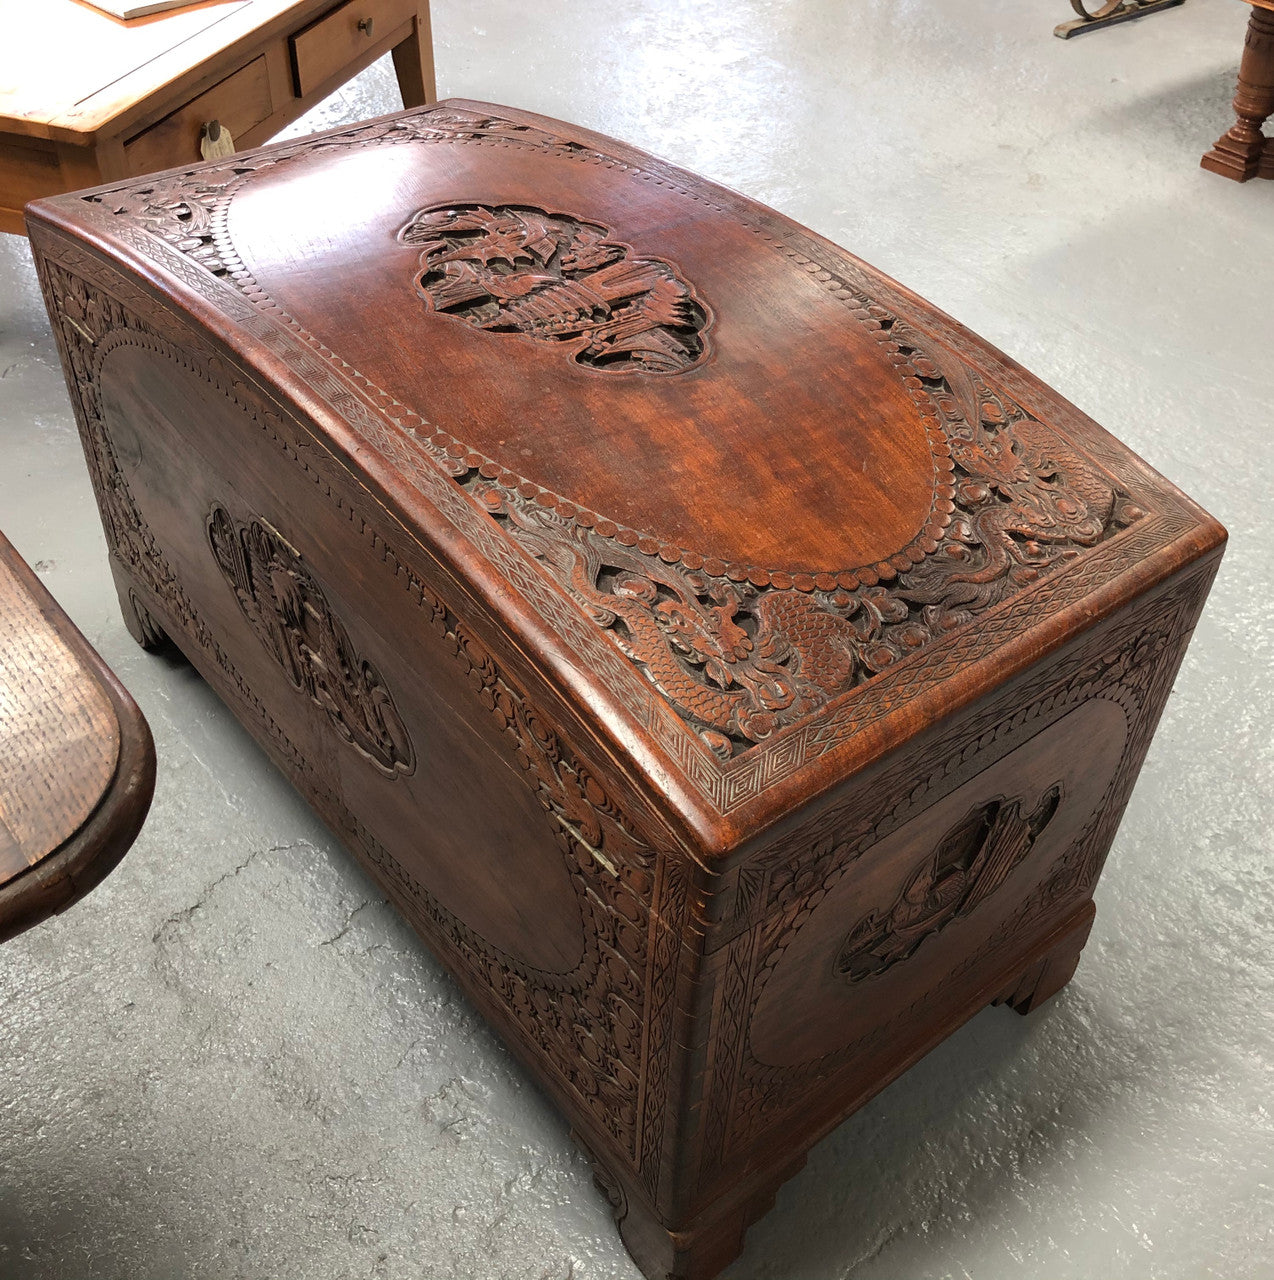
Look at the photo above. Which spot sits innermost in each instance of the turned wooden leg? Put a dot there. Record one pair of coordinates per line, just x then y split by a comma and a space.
1243, 151
701, 1247
1051, 971
414, 63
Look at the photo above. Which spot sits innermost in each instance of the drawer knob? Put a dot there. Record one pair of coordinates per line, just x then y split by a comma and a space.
365, 26
215, 141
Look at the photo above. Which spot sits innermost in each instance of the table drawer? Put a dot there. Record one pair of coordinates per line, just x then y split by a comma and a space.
240, 102
332, 43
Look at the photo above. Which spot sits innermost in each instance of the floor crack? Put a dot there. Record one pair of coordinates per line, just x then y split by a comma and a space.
185, 915
349, 920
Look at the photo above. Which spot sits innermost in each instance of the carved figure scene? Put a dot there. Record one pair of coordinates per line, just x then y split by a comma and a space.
970, 863
290, 615
546, 276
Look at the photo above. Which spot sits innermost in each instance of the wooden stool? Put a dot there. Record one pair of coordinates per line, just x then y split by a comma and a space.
1243, 151
77, 765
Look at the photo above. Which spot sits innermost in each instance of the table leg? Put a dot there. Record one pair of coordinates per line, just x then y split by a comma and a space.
414, 63
1243, 152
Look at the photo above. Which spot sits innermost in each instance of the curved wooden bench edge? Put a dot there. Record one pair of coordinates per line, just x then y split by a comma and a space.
63, 876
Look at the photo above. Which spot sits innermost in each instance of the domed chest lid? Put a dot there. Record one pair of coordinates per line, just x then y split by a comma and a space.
756, 497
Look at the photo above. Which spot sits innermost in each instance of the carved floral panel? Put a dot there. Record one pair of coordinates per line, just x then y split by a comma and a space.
601, 1028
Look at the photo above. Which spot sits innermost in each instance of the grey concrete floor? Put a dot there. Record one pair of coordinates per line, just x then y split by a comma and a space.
232, 1060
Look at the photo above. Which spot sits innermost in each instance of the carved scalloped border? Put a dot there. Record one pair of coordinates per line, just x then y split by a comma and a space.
449, 448
451, 452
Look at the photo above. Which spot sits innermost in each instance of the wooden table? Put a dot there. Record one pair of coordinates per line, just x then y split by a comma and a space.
77, 765
86, 98
1243, 151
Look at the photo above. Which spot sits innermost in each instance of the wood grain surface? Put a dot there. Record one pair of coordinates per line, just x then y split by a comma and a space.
61, 738
733, 668
73, 750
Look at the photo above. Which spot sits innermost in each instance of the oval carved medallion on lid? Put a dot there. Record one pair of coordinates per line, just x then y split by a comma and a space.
756, 421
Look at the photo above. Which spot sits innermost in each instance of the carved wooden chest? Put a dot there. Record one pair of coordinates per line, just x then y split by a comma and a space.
735, 669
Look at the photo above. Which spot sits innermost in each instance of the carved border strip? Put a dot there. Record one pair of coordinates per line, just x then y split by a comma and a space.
584, 1000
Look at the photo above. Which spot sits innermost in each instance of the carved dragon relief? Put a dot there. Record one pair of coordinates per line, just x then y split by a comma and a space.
739, 651
291, 616
741, 659
554, 278
970, 863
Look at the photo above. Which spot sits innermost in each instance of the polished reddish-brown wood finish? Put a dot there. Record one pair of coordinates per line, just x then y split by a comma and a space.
735, 669
77, 767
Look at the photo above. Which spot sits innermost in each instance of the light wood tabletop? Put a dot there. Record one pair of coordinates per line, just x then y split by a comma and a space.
87, 98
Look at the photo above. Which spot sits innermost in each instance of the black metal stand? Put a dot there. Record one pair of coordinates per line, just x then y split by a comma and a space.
1109, 14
